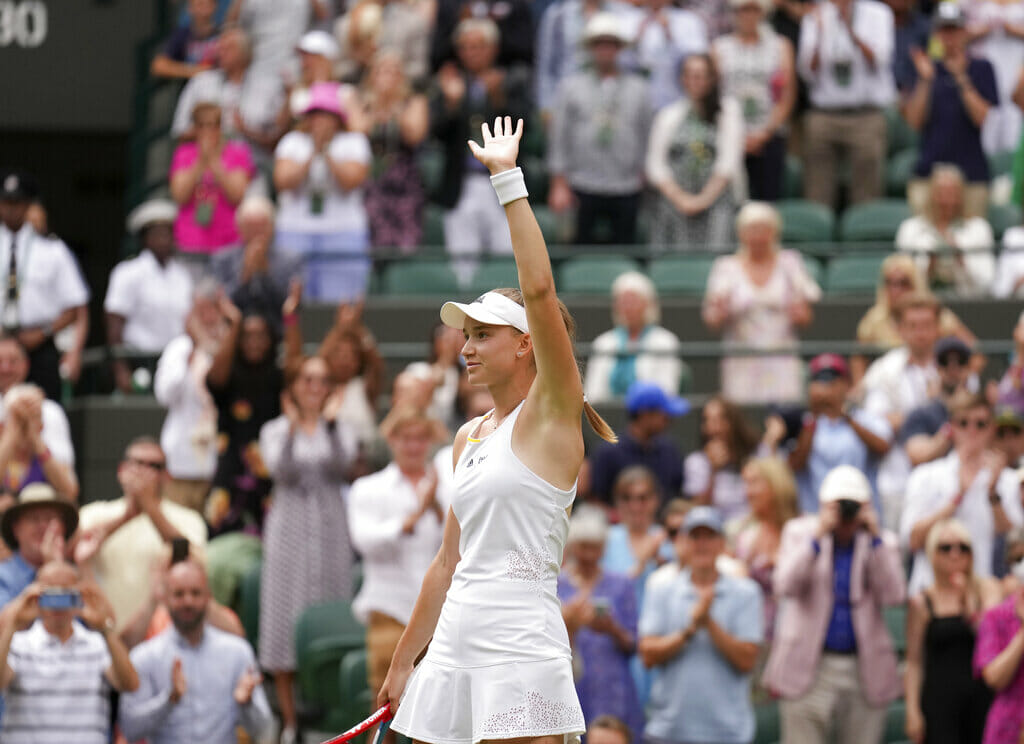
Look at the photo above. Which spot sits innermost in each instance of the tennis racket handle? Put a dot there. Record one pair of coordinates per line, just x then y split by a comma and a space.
383, 713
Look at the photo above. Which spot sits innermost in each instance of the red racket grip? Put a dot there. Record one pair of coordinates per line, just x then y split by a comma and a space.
381, 714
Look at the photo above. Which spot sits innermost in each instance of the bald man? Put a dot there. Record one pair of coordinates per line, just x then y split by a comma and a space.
196, 683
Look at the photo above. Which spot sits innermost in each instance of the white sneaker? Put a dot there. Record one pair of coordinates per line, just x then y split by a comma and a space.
288, 735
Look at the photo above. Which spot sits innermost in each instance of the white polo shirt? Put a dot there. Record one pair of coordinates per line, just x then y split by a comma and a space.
59, 692
153, 300
49, 281
933, 485
844, 79
394, 563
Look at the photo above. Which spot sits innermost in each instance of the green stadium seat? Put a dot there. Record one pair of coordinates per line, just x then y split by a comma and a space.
900, 135
895, 722
324, 635
806, 221
898, 171
535, 171
430, 162
1002, 217
681, 275
249, 605
685, 378
853, 275
875, 221
495, 272
793, 178
534, 138
549, 222
768, 729
1001, 163
896, 622
418, 277
356, 696
433, 227
592, 274
814, 269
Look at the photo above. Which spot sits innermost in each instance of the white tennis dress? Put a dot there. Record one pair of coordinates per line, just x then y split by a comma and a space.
499, 665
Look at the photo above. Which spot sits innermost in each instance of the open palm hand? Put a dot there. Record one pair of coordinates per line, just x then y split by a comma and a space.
501, 148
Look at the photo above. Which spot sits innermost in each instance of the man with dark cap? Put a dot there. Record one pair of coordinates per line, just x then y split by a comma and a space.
832, 433
41, 287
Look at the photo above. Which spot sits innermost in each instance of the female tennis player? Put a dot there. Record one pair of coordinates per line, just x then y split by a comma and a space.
499, 662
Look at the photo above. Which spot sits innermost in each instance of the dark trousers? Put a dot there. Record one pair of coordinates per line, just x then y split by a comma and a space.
619, 211
766, 170
44, 368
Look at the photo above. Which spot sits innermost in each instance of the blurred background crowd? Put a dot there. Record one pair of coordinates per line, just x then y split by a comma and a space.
791, 232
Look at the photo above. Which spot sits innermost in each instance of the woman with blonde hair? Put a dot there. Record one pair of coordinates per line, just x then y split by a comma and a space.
945, 702
499, 663
760, 296
637, 348
772, 496
899, 277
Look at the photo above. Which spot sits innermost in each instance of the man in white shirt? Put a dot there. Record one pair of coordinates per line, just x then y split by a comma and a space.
972, 483
14, 367
147, 296
898, 382
845, 53
42, 286
120, 540
396, 519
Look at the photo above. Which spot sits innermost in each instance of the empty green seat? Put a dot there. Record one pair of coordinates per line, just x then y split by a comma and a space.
1002, 217
681, 275
494, 273
324, 635
793, 178
896, 622
806, 221
433, 226
900, 135
898, 171
853, 275
592, 274
895, 722
768, 728
874, 221
249, 605
814, 269
418, 277
356, 697
1001, 163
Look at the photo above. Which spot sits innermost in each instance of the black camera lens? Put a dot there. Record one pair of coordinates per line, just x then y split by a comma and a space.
848, 509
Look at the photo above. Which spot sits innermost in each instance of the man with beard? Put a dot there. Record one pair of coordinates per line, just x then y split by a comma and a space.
196, 683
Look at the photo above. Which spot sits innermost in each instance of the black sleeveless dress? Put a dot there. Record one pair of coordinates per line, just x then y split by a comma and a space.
953, 702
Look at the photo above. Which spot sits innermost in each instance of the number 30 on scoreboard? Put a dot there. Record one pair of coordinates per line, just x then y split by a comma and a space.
22, 23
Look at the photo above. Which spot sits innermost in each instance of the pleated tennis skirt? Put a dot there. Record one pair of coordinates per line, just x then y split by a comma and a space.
445, 704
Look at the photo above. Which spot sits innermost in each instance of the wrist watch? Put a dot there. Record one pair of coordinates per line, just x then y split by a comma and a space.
107, 626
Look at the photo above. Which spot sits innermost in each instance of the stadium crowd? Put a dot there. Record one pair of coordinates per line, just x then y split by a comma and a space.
698, 587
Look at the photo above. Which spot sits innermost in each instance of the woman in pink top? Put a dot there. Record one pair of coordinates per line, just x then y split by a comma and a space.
209, 177
999, 659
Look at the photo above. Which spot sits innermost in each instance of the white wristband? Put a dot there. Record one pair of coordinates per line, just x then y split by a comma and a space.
509, 185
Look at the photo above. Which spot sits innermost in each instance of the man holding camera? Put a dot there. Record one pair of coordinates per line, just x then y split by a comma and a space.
832, 660
57, 673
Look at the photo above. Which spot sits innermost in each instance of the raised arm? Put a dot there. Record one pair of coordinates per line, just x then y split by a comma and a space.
558, 394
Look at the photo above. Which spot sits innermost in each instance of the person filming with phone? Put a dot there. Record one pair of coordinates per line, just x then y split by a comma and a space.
832, 659
59, 658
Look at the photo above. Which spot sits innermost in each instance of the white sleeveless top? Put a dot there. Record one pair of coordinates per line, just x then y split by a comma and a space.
502, 605
499, 665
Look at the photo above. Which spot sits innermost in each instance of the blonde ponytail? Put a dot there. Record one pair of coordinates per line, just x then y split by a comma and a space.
598, 424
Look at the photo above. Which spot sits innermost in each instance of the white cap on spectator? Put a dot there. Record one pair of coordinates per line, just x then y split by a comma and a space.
150, 212
845, 482
605, 25
320, 43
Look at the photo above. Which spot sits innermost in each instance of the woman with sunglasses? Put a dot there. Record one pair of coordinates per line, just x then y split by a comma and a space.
972, 483
945, 702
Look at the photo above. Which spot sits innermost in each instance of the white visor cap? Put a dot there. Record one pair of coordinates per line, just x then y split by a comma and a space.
490, 308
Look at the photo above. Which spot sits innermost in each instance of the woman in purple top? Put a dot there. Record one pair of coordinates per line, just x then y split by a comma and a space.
600, 613
999, 659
